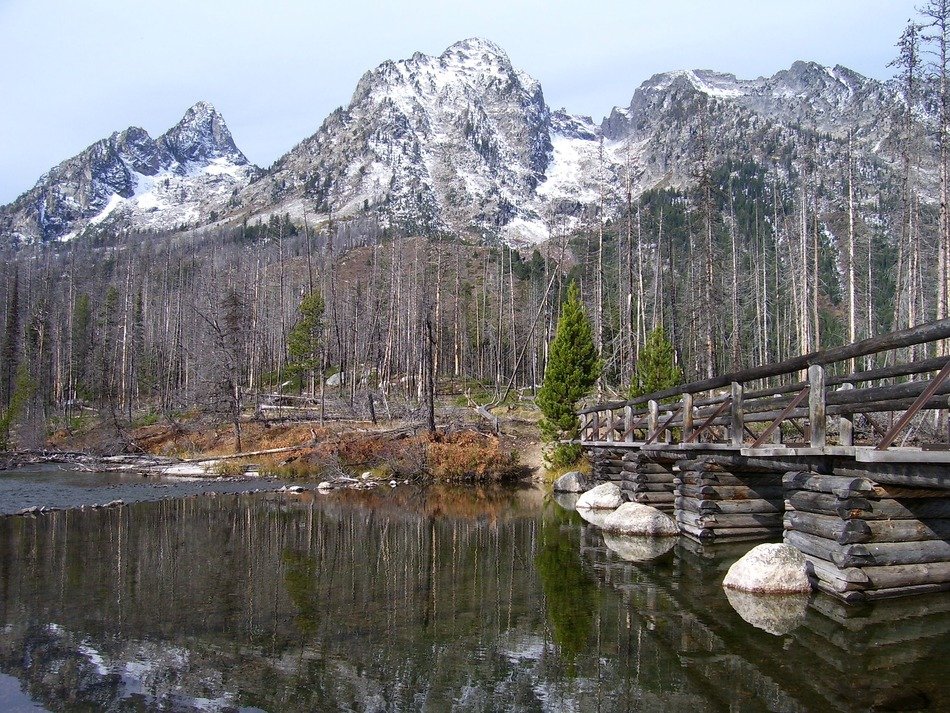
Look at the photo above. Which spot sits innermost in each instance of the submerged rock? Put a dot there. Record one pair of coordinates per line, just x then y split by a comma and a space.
603, 497
572, 482
771, 569
638, 548
777, 614
639, 519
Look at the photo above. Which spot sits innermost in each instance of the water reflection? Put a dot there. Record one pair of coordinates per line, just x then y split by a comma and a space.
420, 600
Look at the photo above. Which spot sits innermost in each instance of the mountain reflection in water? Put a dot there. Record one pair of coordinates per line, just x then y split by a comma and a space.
419, 599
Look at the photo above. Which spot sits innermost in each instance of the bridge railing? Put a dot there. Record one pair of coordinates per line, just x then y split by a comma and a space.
801, 400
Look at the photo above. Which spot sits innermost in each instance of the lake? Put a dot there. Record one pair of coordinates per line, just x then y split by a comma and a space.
423, 599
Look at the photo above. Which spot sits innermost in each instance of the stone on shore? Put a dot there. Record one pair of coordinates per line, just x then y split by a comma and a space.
638, 519
603, 497
572, 482
769, 569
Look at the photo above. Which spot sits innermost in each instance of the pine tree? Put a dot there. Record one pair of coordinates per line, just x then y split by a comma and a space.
656, 368
572, 370
303, 341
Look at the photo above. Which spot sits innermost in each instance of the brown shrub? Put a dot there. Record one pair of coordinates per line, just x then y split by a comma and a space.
472, 456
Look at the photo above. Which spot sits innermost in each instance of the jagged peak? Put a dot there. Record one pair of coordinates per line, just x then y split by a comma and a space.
474, 46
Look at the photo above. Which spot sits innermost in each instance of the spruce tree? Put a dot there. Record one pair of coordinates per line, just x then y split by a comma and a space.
656, 368
572, 369
303, 341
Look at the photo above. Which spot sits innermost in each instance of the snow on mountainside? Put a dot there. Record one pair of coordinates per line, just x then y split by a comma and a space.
162, 184
462, 142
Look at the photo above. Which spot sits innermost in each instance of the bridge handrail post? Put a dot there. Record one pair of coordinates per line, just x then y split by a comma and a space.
687, 416
654, 418
737, 423
595, 426
628, 423
846, 423
817, 418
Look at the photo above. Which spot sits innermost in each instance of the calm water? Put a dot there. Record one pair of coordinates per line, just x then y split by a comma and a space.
415, 600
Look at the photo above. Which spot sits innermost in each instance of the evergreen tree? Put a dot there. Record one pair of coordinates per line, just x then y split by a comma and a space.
572, 369
303, 341
656, 368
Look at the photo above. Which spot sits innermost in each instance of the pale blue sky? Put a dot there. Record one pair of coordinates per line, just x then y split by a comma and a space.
75, 71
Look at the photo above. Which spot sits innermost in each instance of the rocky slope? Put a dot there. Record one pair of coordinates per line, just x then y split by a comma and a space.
465, 143
132, 180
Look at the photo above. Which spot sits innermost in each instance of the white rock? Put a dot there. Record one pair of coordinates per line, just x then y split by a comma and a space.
777, 614
638, 519
603, 497
366, 475
770, 569
638, 548
571, 482
393, 483
325, 485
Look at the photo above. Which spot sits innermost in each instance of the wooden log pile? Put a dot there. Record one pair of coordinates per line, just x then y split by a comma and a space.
716, 502
648, 480
607, 464
866, 541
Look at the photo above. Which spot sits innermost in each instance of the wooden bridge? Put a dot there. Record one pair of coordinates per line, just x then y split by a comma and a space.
843, 452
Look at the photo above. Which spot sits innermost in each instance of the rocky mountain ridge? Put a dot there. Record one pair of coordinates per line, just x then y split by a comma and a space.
461, 143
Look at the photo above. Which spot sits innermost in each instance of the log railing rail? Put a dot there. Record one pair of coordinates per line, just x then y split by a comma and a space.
768, 396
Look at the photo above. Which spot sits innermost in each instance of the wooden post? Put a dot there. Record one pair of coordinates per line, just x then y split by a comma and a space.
737, 423
628, 423
816, 406
654, 418
595, 426
610, 426
846, 423
687, 416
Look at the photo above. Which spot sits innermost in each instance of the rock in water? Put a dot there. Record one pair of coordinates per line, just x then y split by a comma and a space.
603, 497
638, 548
769, 569
638, 519
572, 482
777, 614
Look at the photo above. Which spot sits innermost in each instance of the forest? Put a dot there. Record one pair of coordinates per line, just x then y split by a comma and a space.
750, 262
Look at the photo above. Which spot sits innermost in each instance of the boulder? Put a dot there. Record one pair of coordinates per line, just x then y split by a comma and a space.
769, 569
603, 497
572, 482
638, 548
638, 519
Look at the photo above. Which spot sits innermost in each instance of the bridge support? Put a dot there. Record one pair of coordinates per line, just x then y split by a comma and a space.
715, 502
866, 541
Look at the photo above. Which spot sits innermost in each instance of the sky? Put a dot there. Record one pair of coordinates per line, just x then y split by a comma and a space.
73, 72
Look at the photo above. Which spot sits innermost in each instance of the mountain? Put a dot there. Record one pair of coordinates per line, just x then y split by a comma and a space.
132, 179
465, 143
